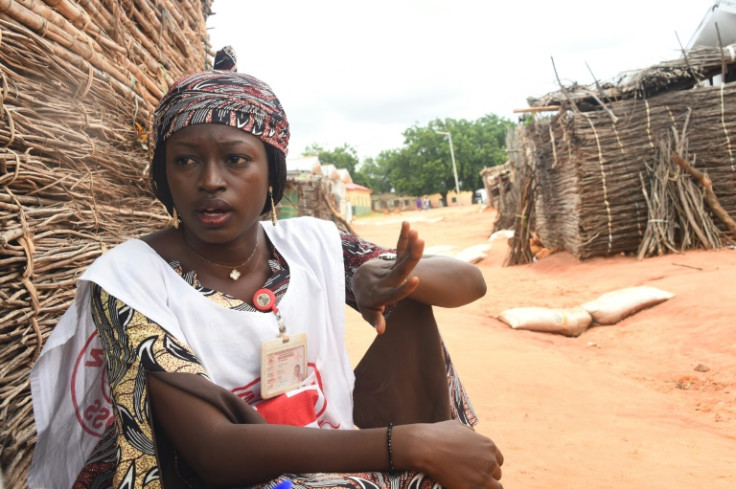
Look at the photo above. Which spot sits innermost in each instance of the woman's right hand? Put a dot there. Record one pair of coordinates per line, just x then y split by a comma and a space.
377, 283
451, 453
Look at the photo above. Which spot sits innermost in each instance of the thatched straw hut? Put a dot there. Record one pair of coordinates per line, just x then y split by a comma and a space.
78, 82
311, 195
499, 191
601, 168
313, 189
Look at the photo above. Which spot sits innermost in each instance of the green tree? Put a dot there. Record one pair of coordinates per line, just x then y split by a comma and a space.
424, 164
374, 173
418, 168
344, 156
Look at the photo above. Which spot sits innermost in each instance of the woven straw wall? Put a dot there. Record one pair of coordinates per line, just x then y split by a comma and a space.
78, 83
601, 171
557, 193
594, 167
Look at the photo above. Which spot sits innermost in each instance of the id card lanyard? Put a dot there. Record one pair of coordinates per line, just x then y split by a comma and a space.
283, 359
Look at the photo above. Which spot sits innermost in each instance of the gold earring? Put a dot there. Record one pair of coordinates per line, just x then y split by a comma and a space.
274, 219
175, 219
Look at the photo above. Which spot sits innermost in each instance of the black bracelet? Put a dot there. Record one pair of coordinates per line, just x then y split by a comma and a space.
388, 447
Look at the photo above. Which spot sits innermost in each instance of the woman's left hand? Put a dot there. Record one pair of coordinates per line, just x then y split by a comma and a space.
380, 282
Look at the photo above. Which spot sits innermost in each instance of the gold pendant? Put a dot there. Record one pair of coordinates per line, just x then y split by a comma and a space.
235, 275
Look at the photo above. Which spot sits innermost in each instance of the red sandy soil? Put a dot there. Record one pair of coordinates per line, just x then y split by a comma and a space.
648, 403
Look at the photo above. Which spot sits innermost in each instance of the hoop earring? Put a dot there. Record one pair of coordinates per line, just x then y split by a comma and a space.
175, 219
274, 219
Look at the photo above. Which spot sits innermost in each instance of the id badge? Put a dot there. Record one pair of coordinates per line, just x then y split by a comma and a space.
283, 364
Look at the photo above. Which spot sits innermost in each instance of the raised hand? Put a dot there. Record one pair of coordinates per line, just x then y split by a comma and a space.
380, 282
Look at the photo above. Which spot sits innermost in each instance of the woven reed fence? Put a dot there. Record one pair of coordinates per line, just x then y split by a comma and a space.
78, 82
594, 160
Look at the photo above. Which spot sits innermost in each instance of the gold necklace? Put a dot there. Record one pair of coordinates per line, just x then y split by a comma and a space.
234, 273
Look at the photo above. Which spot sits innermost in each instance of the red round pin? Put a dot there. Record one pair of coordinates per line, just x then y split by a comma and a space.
264, 300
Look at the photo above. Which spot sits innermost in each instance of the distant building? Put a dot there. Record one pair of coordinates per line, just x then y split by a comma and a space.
344, 175
303, 165
389, 202
359, 198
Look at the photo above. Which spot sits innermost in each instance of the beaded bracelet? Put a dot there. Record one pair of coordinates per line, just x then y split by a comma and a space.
388, 447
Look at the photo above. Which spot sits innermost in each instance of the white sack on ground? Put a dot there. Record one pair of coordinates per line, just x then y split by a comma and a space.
612, 307
569, 322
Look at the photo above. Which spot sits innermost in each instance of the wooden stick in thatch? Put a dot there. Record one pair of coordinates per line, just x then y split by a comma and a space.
677, 216
40, 19
708, 194
660, 223
547, 108
562, 87
724, 68
336, 215
520, 252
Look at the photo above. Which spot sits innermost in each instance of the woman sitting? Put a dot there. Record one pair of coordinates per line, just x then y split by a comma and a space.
223, 336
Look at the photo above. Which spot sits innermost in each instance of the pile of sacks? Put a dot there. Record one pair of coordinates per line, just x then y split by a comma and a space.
607, 309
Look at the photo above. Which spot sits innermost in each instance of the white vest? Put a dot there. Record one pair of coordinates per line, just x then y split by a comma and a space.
71, 405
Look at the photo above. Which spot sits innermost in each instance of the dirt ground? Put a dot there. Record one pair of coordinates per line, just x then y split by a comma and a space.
649, 402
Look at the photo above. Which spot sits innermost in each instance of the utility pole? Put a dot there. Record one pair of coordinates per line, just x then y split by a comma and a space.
454, 166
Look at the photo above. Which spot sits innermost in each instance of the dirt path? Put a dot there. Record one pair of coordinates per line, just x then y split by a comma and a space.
647, 403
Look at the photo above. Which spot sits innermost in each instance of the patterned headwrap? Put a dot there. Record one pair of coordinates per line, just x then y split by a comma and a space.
223, 97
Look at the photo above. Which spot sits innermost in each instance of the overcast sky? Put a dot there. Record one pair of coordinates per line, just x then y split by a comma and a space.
362, 72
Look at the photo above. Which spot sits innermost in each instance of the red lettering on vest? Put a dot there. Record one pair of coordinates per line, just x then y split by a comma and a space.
92, 404
97, 355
